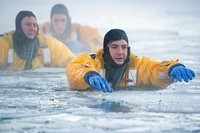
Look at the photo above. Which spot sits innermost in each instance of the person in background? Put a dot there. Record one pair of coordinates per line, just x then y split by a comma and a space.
115, 67
79, 38
25, 49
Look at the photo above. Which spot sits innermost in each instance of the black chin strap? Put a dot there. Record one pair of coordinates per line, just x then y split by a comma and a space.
29, 60
118, 76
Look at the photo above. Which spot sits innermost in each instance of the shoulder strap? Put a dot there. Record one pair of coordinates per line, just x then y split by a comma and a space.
47, 55
10, 56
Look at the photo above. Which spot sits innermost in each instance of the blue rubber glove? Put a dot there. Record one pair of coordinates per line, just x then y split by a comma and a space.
99, 83
180, 72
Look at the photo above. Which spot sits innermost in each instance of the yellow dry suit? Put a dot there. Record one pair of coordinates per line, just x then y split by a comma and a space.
51, 53
140, 72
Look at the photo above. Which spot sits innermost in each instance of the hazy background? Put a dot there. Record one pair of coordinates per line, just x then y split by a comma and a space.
150, 24
106, 14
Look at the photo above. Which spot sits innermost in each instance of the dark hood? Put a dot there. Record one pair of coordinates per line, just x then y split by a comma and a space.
26, 48
109, 64
113, 35
61, 9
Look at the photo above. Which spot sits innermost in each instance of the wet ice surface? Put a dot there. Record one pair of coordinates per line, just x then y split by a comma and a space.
39, 101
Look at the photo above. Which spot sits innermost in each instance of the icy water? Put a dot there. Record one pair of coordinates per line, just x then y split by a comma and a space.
39, 101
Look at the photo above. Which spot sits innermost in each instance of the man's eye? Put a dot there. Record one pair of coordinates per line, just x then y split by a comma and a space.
63, 20
55, 20
113, 47
35, 25
125, 47
28, 24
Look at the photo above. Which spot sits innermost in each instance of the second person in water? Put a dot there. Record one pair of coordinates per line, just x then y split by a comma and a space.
77, 37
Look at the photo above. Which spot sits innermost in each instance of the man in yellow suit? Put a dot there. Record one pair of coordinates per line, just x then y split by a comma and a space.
79, 38
115, 66
25, 49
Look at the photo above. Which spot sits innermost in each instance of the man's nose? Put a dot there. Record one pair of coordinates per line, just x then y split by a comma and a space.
120, 50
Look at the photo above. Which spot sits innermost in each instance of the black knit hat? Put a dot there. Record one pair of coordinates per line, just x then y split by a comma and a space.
59, 9
114, 35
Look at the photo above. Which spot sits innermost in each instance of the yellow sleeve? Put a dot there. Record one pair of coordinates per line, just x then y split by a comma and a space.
4, 47
76, 70
152, 72
60, 53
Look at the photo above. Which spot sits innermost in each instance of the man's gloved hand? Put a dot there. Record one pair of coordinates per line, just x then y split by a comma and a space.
181, 72
99, 83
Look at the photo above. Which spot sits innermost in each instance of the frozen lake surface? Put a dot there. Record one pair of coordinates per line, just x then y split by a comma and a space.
39, 101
